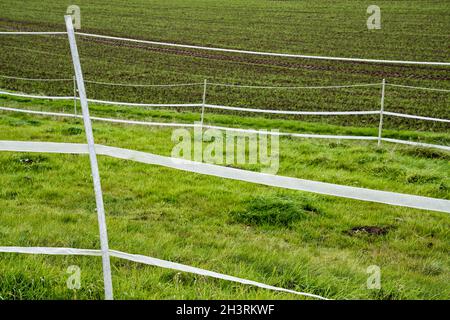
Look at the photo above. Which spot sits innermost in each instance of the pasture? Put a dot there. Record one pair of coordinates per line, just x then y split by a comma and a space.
295, 240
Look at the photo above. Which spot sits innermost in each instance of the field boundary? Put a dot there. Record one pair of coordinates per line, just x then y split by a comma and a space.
238, 51
270, 180
152, 262
324, 188
190, 125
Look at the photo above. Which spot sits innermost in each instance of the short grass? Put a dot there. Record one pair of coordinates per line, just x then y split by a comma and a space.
410, 30
291, 239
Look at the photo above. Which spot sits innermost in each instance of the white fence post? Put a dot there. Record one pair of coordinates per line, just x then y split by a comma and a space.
93, 159
75, 94
204, 102
380, 127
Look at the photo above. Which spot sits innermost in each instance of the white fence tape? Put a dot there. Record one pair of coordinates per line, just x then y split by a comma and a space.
190, 125
146, 85
52, 251
410, 116
418, 144
36, 33
259, 53
130, 104
418, 88
293, 87
34, 79
385, 197
152, 262
319, 113
24, 95
211, 106
203, 272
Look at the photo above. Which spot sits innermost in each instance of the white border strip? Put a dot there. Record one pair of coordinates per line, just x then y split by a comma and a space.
259, 53
152, 262
363, 194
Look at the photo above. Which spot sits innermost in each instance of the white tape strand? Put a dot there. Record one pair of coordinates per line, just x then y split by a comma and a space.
131, 104
385, 197
152, 262
418, 88
211, 106
418, 144
319, 113
203, 272
190, 125
146, 85
259, 53
24, 95
52, 251
38, 33
295, 87
34, 79
410, 116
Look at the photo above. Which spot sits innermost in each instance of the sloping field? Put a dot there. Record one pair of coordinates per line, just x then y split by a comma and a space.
296, 240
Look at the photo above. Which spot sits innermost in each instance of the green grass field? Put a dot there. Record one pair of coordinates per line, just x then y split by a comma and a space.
291, 239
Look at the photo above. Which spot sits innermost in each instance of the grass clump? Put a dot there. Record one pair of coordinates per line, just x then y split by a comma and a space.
272, 211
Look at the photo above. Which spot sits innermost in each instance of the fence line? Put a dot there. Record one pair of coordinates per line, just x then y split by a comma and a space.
36, 33
260, 53
34, 79
290, 112
410, 116
249, 52
272, 111
218, 171
152, 262
230, 84
418, 88
329, 189
146, 85
294, 87
190, 125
